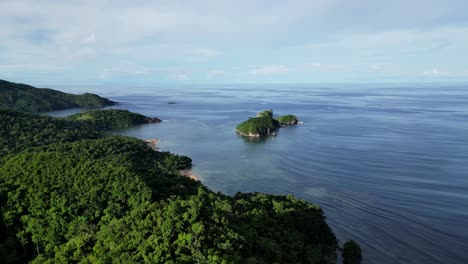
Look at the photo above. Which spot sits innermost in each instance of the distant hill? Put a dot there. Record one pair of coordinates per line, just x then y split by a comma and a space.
112, 118
26, 98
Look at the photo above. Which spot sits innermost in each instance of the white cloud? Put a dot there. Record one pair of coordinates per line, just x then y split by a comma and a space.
446, 74
206, 52
432, 73
274, 69
91, 38
307, 67
180, 77
374, 67
345, 36
124, 69
311, 66
213, 73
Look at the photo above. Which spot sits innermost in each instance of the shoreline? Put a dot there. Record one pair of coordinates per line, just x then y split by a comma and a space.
190, 174
153, 143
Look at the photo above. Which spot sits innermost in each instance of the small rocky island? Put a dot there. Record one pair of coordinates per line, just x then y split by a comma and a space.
264, 124
287, 120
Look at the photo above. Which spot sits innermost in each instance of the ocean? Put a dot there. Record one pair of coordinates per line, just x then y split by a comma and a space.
388, 163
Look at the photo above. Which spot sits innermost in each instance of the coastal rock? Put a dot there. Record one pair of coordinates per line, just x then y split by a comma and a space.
153, 143
189, 173
153, 120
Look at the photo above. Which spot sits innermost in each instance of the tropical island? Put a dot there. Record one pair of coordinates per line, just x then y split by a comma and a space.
72, 193
287, 120
26, 98
264, 124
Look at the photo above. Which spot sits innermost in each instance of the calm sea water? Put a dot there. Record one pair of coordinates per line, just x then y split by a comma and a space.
388, 163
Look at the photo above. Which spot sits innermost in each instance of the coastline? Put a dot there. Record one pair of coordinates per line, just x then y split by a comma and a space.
153, 143
189, 173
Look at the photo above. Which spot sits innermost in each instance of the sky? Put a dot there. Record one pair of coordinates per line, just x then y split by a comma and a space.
59, 42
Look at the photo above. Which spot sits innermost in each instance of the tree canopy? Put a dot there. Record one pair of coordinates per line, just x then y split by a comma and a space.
112, 118
258, 126
71, 194
287, 120
351, 253
26, 98
19, 131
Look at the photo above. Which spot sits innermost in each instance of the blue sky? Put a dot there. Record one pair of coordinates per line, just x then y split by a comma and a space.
214, 41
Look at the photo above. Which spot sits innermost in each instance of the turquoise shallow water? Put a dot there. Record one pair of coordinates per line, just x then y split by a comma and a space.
388, 163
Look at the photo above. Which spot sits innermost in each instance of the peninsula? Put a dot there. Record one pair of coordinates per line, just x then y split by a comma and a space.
112, 119
26, 98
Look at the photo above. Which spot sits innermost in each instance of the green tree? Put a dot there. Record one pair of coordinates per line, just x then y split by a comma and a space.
70, 194
351, 253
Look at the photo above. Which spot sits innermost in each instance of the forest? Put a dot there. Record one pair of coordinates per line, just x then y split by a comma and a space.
69, 193
264, 124
26, 98
112, 118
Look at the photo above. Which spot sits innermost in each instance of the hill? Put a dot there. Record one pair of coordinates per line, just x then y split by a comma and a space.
26, 98
19, 131
70, 194
258, 126
112, 118
264, 124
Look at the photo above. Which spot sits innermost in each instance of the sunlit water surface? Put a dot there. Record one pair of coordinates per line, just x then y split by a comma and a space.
388, 163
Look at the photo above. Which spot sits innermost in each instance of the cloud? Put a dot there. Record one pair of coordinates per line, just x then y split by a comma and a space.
432, 73
214, 73
206, 52
446, 74
179, 76
274, 69
311, 66
198, 36
124, 69
91, 38
321, 67
374, 67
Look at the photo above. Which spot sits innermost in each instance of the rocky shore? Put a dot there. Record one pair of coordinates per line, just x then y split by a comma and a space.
189, 173
153, 143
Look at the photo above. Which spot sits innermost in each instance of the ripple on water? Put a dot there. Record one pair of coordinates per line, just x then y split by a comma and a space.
386, 163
